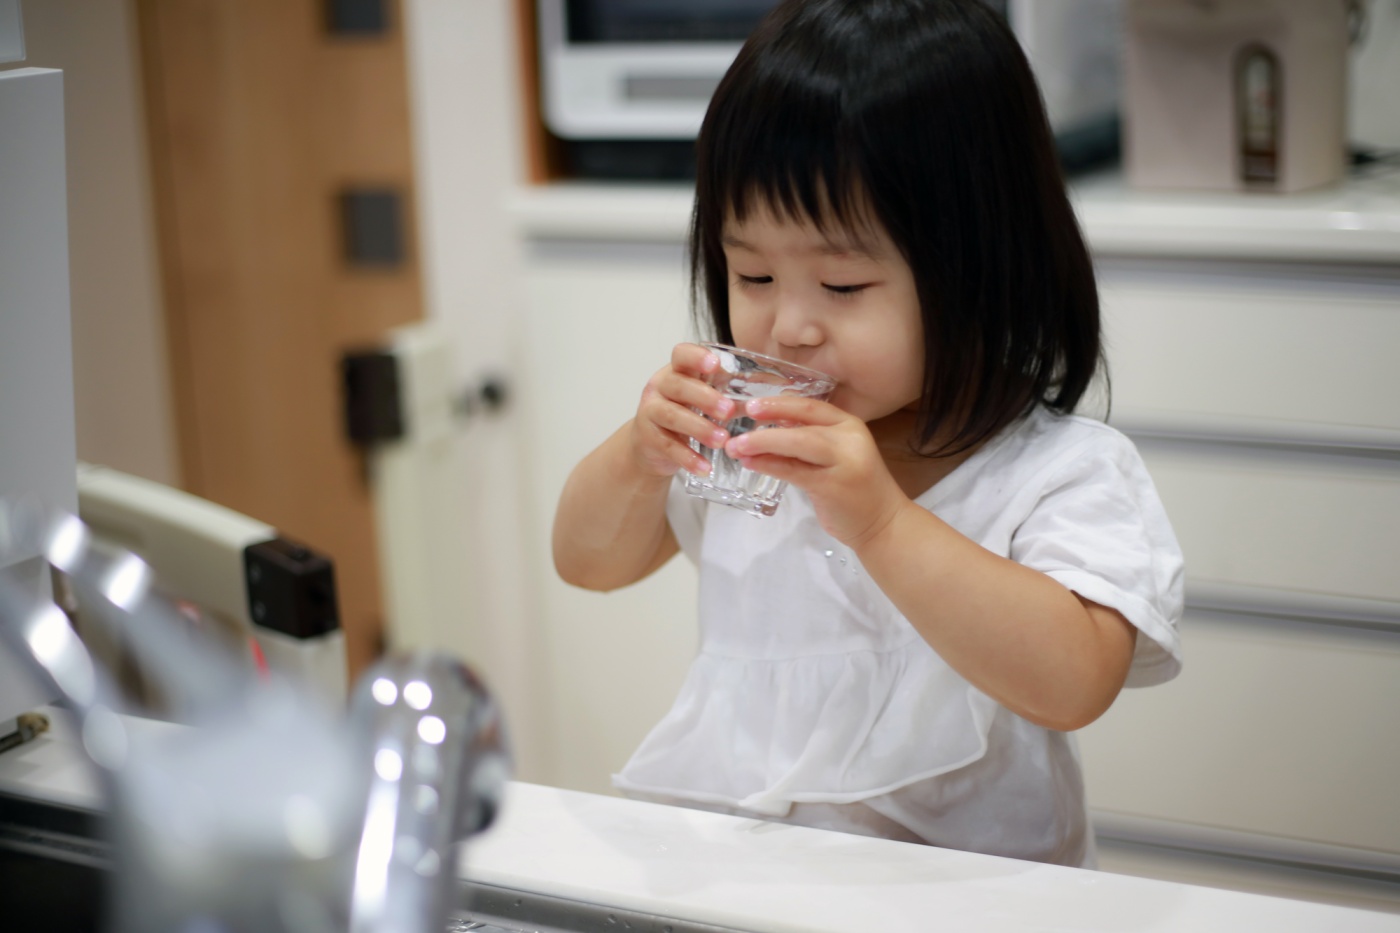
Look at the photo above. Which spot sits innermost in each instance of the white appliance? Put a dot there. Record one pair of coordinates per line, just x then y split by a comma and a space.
1236, 95
37, 448
620, 71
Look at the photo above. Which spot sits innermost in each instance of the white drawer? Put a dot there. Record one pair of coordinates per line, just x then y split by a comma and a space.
1287, 519
1274, 729
1274, 343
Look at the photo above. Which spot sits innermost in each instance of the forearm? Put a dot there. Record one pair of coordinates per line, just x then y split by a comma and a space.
1013, 632
610, 526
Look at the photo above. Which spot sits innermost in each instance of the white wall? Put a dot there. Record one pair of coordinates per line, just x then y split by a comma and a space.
464, 90
121, 383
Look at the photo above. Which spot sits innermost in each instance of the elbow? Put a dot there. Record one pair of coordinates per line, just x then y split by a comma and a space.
1070, 721
1085, 692
576, 574
585, 574
571, 565
1072, 713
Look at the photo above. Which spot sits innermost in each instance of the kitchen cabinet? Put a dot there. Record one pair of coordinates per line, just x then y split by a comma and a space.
1250, 344
1254, 369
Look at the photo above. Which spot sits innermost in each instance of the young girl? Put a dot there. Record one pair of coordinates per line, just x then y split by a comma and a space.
961, 572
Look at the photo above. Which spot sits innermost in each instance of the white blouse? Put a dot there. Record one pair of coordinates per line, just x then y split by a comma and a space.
813, 700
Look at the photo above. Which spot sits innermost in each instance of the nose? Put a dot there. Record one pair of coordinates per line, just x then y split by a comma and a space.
794, 325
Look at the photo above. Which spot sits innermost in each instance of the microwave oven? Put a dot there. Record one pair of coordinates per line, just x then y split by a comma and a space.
624, 84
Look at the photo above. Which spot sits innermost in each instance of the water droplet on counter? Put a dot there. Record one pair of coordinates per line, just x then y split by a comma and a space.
828, 552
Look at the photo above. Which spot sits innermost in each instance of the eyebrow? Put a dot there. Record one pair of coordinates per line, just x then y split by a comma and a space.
829, 248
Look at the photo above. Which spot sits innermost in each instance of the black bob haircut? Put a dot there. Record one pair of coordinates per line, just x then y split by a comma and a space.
922, 115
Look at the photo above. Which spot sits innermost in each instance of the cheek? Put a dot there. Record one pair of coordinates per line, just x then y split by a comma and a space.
909, 353
899, 373
745, 321
894, 359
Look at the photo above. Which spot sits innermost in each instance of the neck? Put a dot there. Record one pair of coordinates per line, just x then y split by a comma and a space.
915, 473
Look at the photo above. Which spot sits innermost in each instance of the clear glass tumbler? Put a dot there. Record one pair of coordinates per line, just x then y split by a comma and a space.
741, 376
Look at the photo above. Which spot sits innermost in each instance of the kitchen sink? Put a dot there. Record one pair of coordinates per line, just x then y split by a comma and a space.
54, 876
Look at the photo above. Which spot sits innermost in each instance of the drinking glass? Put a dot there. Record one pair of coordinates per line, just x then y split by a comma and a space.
741, 376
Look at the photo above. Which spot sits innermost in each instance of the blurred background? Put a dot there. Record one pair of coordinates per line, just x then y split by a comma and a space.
264, 194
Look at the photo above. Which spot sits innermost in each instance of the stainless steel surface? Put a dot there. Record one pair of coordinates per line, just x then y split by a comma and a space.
269, 811
433, 742
506, 910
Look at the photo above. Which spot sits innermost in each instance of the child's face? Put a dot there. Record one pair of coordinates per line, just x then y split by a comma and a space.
826, 301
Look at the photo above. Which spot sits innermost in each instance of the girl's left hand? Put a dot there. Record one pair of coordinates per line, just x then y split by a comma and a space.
828, 453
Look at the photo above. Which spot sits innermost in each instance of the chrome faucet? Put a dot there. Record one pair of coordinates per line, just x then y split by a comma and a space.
266, 811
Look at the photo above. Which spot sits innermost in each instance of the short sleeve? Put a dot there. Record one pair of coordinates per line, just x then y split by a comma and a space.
686, 515
1100, 529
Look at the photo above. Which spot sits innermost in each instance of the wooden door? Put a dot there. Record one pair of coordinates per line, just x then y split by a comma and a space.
272, 124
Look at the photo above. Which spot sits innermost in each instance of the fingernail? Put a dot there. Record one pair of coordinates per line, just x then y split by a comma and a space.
754, 407
737, 446
717, 439
724, 407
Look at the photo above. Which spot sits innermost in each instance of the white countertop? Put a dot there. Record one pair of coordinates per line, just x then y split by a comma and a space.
1354, 222
770, 878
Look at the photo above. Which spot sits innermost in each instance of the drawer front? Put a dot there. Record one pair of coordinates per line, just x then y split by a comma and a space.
1286, 519
1279, 729
1297, 345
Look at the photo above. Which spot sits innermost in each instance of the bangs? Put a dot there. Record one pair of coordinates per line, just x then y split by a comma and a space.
782, 140
778, 137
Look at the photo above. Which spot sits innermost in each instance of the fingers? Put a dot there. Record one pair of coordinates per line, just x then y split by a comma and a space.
797, 472
662, 435
682, 421
683, 382
667, 452
795, 409
799, 428
693, 360
815, 446
674, 408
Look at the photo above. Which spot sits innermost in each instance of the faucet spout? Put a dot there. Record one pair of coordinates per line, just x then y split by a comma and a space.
265, 811
432, 739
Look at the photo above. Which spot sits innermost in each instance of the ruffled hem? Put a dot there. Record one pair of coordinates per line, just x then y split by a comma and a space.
761, 735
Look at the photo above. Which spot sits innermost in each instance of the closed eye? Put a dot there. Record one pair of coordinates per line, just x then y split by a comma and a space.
754, 279
846, 289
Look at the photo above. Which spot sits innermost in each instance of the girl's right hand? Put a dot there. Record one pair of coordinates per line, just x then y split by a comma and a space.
667, 417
